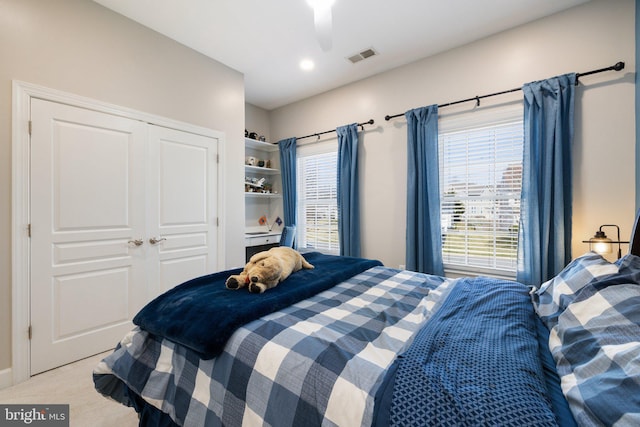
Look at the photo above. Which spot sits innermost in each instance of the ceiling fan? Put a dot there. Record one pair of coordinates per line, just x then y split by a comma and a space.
322, 21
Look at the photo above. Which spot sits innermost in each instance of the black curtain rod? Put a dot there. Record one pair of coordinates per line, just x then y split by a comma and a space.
370, 122
617, 67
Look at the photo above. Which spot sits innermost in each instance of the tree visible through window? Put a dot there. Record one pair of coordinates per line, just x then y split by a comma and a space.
481, 180
317, 220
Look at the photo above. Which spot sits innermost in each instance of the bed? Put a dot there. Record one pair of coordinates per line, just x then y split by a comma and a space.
354, 343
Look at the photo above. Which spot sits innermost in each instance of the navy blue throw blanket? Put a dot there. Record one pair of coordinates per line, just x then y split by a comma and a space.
475, 363
202, 313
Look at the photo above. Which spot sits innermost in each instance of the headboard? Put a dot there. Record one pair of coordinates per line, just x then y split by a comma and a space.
634, 245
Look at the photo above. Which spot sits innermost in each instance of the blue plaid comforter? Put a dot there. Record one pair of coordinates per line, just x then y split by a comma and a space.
302, 365
475, 363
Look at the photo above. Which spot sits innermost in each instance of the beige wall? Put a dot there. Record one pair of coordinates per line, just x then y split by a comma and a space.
591, 36
79, 47
257, 120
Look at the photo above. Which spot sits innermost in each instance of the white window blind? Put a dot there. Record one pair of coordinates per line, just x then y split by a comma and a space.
317, 202
480, 184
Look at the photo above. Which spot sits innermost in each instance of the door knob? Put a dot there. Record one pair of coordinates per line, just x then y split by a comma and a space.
155, 240
137, 242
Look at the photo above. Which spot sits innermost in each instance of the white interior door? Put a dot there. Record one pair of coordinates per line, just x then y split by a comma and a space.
182, 206
87, 206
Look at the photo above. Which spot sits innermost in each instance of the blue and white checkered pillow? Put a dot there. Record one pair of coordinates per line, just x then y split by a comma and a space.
553, 297
596, 346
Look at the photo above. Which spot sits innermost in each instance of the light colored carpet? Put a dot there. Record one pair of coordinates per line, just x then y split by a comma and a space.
73, 384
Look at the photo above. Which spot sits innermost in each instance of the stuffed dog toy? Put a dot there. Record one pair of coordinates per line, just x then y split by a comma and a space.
266, 269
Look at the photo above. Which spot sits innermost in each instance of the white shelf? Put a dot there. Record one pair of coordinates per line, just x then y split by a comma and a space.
259, 145
262, 195
261, 170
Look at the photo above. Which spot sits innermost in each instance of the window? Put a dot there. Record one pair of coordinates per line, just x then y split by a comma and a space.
480, 183
317, 221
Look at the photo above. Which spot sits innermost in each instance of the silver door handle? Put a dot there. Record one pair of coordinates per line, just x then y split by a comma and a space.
155, 240
137, 242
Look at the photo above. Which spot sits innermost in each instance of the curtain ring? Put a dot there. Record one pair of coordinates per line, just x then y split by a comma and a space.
477, 101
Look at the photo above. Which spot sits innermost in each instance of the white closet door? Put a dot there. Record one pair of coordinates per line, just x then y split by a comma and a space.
182, 206
87, 208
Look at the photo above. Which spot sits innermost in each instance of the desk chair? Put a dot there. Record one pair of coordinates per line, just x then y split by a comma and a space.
288, 236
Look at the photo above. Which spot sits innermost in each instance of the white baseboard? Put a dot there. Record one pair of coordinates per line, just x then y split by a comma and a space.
6, 378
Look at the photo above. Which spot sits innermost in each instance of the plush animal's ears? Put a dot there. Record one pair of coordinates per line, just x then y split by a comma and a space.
259, 256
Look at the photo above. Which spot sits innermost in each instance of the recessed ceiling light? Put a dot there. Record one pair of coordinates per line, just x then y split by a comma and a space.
307, 65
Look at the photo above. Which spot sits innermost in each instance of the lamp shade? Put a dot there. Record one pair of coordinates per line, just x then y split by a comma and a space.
601, 243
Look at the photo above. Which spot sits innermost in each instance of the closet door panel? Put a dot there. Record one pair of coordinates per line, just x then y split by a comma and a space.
176, 270
182, 209
87, 204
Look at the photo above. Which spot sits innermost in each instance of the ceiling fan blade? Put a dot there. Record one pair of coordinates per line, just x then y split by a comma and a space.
322, 20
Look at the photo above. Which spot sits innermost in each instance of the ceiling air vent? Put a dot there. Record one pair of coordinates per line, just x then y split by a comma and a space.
367, 53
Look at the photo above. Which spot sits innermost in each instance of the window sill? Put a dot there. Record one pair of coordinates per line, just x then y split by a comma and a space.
456, 271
